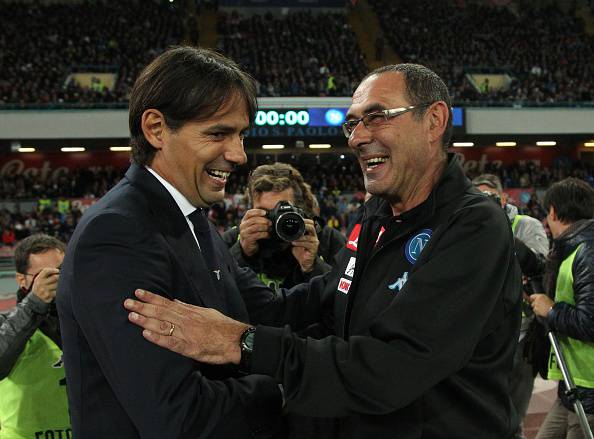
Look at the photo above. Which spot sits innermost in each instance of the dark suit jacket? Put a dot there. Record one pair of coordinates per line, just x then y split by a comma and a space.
120, 385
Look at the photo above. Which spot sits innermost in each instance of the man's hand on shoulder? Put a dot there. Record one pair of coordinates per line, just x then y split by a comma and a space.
203, 334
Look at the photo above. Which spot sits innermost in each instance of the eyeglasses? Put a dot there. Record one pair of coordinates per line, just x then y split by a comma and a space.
377, 118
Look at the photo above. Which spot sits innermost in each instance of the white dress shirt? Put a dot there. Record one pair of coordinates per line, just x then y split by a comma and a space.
182, 202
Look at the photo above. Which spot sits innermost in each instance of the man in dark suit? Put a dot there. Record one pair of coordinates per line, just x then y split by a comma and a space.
189, 110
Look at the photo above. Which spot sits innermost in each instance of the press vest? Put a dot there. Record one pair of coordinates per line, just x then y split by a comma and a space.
579, 355
63, 206
515, 222
33, 404
44, 203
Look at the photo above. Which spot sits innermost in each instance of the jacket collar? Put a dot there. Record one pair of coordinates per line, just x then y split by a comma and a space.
182, 202
577, 233
169, 220
451, 185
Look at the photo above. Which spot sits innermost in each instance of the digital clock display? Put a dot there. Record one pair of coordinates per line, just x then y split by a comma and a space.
289, 118
319, 117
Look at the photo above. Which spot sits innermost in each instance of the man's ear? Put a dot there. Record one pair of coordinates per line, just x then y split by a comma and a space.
553, 214
153, 127
438, 115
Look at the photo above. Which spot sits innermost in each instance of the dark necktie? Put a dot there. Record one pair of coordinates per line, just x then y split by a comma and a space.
202, 231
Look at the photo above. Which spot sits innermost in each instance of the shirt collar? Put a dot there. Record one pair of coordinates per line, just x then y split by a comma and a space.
182, 202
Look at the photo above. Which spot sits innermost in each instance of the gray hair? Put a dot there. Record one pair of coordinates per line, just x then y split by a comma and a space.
489, 180
423, 86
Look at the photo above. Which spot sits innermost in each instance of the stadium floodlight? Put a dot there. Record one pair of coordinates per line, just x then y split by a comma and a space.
546, 143
463, 144
506, 144
72, 149
26, 149
273, 146
320, 146
120, 148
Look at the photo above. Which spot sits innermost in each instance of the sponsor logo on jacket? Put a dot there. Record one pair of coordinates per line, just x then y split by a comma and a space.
344, 285
397, 286
350, 269
379, 235
354, 238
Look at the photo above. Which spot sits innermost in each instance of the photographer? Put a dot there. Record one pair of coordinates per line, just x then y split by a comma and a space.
32, 382
570, 315
257, 244
531, 246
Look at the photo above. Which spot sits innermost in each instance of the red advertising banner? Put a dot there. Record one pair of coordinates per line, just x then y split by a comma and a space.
52, 165
475, 159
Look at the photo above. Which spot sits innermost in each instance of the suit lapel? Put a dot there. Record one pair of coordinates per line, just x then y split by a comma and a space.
171, 223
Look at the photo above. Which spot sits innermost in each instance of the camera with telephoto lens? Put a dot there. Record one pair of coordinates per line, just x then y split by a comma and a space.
534, 285
287, 222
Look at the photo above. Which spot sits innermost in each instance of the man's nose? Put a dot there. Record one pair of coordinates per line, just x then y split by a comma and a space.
236, 152
360, 135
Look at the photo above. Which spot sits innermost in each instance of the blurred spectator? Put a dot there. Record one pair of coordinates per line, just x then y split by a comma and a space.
8, 236
379, 48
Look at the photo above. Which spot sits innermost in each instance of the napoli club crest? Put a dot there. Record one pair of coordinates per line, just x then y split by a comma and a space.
416, 244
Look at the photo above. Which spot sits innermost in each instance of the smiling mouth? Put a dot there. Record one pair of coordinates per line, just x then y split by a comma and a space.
219, 175
374, 162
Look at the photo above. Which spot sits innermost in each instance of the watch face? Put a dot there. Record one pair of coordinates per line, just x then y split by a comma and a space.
248, 341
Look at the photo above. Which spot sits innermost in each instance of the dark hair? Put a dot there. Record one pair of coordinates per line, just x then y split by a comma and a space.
278, 177
33, 245
488, 180
423, 86
185, 84
572, 199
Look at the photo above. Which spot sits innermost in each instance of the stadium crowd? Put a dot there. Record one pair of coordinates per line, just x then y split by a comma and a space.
79, 183
51, 221
43, 43
302, 54
485, 36
337, 185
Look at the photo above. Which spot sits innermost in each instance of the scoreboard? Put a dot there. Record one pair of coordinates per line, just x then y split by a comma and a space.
311, 122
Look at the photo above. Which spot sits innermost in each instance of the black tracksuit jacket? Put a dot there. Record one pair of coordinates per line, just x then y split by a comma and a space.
417, 339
